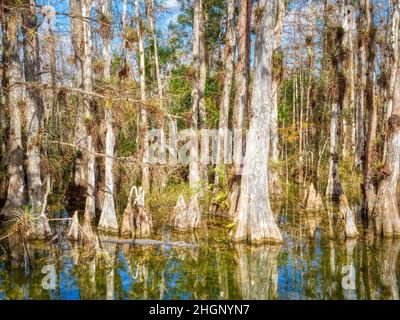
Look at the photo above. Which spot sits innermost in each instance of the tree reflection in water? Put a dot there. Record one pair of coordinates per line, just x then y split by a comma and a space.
257, 271
308, 265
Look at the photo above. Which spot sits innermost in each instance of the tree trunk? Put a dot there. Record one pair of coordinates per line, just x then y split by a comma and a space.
254, 219
337, 94
143, 112
277, 75
241, 98
34, 112
348, 214
188, 216
222, 146
77, 39
202, 84
160, 173
349, 28
368, 187
152, 25
16, 193
386, 213
90, 205
108, 218
334, 187
361, 88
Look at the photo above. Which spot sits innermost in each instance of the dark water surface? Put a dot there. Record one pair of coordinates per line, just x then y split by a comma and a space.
304, 267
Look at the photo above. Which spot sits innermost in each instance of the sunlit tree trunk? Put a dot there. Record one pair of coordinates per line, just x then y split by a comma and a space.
3, 113
143, 111
16, 193
361, 87
255, 222
334, 186
202, 118
386, 212
241, 98
77, 39
187, 216
90, 205
349, 28
277, 74
108, 218
161, 173
34, 112
368, 187
222, 147
152, 25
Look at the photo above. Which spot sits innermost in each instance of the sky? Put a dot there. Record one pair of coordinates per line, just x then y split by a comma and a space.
172, 4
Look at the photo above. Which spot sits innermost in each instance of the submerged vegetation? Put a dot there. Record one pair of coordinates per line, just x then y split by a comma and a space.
199, 149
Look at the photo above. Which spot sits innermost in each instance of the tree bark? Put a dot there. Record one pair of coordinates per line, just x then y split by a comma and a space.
241, 98
161, 173
90, 204
152, 25
368, 187
77, 39
188, 216
334, 187
349, 28
255, 222
16, 193
143, 112
108, 218
336, 57
275, 185
202, 116
361, 88
223, 132
386, 213
34, 112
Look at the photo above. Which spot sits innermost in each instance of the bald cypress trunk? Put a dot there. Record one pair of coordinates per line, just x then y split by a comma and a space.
361, 88
108, 218
77, 39
34, 122
223, 133
187, 216
255, 221
349, 28
368, 185
143, 112
202, 118
241, 98
90, 159
386, 212
335, 65
275, 185
158, 173
16, 192
34, 112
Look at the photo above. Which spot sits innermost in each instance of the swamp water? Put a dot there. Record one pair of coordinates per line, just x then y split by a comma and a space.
307, 266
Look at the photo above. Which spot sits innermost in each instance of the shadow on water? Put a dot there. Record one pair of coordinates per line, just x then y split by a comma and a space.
309, 265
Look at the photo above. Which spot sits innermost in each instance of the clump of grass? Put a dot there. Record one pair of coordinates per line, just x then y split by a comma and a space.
22, 223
